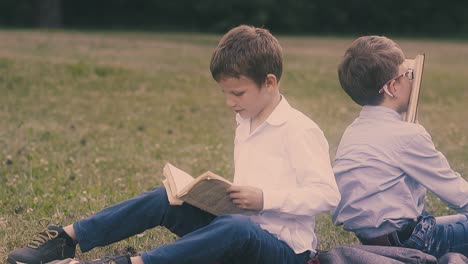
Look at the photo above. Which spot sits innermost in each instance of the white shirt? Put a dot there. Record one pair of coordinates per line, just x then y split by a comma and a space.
287, 157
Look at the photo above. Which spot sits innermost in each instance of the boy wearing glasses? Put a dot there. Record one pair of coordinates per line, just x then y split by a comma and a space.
384, 165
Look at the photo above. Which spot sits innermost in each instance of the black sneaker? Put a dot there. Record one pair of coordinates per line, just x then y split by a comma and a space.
114, 259
49, 245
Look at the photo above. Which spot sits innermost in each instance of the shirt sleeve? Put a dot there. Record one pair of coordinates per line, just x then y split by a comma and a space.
421, 161
316, 190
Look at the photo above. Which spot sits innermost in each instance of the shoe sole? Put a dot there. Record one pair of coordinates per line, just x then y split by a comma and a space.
12, 261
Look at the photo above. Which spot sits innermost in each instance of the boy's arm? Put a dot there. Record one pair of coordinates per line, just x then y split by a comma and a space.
424, 163
316, 189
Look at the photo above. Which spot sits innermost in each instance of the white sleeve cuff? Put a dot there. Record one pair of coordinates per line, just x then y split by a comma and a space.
272, 200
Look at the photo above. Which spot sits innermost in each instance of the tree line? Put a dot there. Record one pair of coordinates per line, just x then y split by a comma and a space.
416, 17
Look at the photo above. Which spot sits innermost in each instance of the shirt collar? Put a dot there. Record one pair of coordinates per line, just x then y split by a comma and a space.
278, 117
380, 112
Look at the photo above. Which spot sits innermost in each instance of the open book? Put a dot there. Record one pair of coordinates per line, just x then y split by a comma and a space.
207, 191
418, 66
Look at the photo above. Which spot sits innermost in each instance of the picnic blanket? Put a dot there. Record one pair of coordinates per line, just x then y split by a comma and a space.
360, 254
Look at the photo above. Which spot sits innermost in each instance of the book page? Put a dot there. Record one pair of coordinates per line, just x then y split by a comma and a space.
177, 178
205, 176
209, 194
173, 200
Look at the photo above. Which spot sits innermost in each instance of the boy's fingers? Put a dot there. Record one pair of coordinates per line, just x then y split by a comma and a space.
240, 203
235, 195
233, 188
236, 201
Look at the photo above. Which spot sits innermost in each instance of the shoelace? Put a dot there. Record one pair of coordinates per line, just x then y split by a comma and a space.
111, 259
43, 236
105, 260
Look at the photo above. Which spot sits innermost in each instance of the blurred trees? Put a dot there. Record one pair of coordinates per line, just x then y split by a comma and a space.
421, 17
49, 13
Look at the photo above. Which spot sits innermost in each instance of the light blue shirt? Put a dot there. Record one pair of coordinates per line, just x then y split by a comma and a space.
383, 167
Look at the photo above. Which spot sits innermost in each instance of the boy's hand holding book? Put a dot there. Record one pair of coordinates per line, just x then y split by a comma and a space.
209, 192
246, 197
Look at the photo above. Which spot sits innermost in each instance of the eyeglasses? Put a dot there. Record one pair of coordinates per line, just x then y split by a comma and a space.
409, 73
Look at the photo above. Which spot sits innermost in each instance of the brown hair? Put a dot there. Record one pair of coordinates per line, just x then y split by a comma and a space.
248, 51
367, 65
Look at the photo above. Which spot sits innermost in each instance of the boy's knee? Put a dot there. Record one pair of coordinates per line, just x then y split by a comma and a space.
159, 190
158, 194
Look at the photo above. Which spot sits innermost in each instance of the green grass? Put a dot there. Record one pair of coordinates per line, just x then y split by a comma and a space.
89, 119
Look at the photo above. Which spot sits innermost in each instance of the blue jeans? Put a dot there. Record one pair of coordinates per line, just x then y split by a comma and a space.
204, 238
439, 235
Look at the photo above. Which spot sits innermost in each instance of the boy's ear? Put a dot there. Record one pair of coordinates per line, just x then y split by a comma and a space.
392, 88
271, 81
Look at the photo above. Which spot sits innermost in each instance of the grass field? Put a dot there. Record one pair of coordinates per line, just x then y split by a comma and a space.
89, 119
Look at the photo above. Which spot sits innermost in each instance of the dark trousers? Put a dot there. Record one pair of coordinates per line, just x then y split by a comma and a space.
440, 235
204, 238
436, 236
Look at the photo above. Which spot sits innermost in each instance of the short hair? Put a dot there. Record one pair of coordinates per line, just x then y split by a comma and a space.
367, 65
247, 51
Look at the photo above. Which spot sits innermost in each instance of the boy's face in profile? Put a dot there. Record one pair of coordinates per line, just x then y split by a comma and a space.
405, 87
246, 97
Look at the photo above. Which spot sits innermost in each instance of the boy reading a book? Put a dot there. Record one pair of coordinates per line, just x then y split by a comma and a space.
384, 165
282, 172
